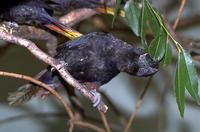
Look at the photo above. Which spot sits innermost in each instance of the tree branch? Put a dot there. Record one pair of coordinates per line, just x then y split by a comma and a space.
105, 122
138, 105
180, 11
59, 66
43, 85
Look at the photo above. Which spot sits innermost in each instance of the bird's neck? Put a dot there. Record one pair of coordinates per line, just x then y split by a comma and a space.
124, 57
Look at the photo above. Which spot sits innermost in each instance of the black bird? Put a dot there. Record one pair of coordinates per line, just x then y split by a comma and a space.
101, 6
40, 11
96, 58
36, 11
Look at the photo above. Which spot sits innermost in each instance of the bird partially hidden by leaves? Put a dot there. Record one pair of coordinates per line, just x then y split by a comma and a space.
100, 6
94, 59
35, 12
39, 12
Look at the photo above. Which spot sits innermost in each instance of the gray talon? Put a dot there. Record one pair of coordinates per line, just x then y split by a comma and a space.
53, 69
62, 64
97, 98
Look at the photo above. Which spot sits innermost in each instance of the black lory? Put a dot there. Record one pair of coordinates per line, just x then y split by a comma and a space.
36, 11
101, 6
39, 11
94, 59
98, 57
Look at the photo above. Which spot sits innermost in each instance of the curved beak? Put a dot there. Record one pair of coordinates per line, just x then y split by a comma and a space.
144, 72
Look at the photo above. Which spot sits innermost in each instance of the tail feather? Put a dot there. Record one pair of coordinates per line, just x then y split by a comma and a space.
27, 91
57, 26
23, 94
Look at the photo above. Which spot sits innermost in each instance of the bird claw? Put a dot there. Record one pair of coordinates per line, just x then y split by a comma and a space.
53, 69
62, 64
11, 24
97, 98
9, 27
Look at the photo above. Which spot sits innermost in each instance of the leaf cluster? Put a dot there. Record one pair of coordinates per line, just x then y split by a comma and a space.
141, 16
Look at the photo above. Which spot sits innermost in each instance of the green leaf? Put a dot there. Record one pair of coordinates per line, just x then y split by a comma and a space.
190, 78
145, 45
117, 7
132, 13
168, 55
185, 78
157, 46
153, 19
179, 87
143, 21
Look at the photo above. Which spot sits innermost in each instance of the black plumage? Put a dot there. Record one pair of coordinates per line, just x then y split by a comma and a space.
36, 12
98, 57
24, 11
41, 11
93, 59
28, 11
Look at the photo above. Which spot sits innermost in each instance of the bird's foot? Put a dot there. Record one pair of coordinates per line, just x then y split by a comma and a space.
53, 69
11, 24
61, 65
92, 87
97, 97
9, 27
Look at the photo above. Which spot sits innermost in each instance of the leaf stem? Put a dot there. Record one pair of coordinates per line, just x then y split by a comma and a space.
178, 45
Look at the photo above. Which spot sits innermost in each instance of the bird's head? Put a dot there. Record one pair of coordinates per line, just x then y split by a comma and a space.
145, 65
137, 62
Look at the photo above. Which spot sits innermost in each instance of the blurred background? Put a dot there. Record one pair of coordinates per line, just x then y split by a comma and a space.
159, 111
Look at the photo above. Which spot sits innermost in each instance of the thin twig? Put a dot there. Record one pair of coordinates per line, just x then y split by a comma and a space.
59, 66
138, 105
77, 16
180, 11
71, 127
105, 122
43, 85
52, 114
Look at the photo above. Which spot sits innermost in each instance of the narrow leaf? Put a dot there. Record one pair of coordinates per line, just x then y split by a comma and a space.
190, 78
143, 21
117, 7
157, 46
179, 84
152, 18
168, 55
132, 13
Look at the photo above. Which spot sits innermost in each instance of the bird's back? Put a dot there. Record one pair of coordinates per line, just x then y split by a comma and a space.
88, 58
26, 11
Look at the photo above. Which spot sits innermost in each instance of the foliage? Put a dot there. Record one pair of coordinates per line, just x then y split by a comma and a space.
141, 16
